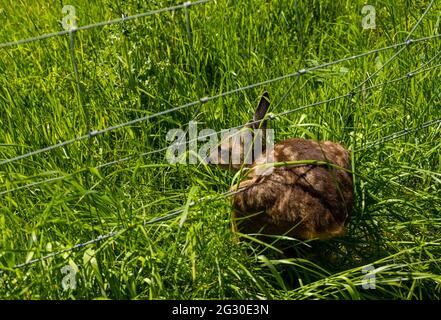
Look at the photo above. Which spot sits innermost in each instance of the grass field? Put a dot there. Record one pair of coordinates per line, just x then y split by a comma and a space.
137, 68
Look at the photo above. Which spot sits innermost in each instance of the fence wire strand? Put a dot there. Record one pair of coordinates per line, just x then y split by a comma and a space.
119, 231
103, 23
398, 134
407, 42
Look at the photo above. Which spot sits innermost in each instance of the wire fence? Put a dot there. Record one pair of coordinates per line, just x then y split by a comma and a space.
399, 134
185, 5
206, 99
93, 133
419, 70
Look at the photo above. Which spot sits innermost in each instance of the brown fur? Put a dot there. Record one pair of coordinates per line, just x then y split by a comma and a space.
303, 201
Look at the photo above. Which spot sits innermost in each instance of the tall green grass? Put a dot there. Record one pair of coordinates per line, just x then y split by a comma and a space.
140, 67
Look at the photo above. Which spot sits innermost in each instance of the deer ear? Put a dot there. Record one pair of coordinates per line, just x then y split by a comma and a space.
261, 111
